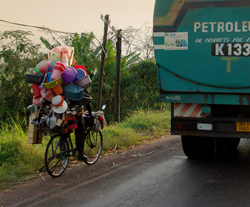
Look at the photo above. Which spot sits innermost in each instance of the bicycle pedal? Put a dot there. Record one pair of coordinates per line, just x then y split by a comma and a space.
82, 157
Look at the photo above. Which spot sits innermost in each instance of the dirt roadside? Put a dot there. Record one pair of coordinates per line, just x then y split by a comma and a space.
79, 170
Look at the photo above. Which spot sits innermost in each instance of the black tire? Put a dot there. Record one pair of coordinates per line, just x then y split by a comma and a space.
93, 147
228, 144
196, 147
56, 156
208, 147
191, 146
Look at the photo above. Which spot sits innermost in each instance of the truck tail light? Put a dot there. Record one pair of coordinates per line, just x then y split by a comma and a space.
185, 126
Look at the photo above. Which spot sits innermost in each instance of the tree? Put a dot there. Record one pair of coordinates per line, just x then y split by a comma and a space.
139, 41
109, 76
86, 52
139, 89
18, 56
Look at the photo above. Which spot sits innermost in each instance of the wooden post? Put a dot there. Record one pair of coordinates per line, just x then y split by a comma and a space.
99, 94
118, 74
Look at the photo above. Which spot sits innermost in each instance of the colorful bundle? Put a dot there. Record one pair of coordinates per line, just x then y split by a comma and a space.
56, 82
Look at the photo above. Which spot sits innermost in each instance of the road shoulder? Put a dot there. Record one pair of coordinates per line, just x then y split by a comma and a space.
79, 170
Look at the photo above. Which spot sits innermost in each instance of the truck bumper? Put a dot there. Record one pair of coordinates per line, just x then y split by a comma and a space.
212, 127
221, 121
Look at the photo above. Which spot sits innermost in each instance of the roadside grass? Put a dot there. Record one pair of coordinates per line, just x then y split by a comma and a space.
19, 161
141, 125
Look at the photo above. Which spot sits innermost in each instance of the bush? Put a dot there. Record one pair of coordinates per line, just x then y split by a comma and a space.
140, 88
20, 161
139, 126
17, 158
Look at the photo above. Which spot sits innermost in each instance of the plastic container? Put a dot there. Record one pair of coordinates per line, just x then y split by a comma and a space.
69, 74
84, 100
47, 93
51, 122
42, 66
84, 82
36, 90
49, 74
58, 69
52, 64
80, 67
37, 100
53, 83
58, 89
80, 74
33, 78
59, 105
73, 92
54, 56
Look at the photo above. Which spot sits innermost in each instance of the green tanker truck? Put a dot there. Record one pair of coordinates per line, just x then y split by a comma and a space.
202, 50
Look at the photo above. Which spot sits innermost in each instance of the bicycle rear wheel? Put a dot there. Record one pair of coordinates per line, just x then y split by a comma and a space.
93, 147
56, 156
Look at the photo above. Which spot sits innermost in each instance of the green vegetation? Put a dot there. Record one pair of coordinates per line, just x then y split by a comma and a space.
20, 161
141, 125
143, 116
18, 55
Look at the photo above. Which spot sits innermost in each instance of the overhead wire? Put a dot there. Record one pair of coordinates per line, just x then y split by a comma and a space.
33, 26
116, 33
51, 30
71, 33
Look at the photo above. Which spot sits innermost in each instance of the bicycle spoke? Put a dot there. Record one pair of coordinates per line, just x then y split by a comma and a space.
56, 156
50, 159
54, 167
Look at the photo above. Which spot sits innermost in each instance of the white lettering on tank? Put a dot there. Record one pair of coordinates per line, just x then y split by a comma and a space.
244, 26
212, 26
218, 49
236, 27
197, 25
229, 26
220, 27
205, 27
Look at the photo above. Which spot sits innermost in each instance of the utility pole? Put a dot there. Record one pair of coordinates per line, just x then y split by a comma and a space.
118, 74
99, 94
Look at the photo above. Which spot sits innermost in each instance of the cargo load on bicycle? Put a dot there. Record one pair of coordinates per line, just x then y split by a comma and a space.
59, 92
59, 89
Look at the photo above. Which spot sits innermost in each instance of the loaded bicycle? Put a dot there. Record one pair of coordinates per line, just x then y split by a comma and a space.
61, 126
60, 147
59, 86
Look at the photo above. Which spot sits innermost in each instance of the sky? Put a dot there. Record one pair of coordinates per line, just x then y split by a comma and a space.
75, 15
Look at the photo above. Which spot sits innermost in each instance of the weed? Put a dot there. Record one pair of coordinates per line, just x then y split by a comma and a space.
19, 160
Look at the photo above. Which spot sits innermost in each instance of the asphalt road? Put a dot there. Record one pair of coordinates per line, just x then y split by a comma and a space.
162, 177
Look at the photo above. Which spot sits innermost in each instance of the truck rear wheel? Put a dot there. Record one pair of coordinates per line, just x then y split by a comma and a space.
191, 146
198, 147
228, 144
207, 145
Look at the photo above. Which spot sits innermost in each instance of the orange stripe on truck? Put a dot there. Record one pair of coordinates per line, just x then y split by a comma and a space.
187, 110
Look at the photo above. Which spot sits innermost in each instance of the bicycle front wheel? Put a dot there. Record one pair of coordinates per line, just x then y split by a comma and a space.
56, 156
93, 147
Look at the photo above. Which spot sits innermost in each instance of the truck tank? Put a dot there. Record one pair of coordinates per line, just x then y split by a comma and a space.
202, 51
